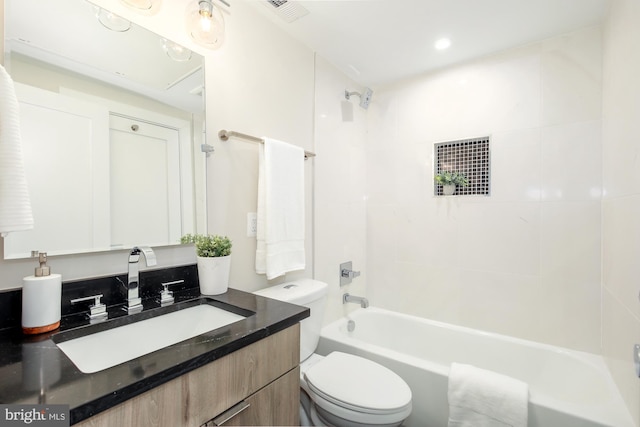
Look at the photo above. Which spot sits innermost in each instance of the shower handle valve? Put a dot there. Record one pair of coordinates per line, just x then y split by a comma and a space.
350, 273
347, 274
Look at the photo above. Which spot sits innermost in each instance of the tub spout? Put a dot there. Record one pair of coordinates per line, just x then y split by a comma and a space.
364, 303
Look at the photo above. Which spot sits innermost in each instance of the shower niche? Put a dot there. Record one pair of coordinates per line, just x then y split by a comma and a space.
470, 157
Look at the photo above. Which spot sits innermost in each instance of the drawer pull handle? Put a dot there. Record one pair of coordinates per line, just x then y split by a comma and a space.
229, 413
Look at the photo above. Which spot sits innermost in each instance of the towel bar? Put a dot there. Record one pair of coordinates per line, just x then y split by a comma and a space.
226, 134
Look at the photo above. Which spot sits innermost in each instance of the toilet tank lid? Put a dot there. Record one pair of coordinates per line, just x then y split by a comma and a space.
300, 291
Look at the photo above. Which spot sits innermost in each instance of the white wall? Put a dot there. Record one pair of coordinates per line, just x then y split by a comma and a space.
340, 204
261, 84
526, 260
621, 201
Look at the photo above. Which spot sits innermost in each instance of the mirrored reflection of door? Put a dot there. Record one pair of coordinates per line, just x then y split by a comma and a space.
145, 183
65, 147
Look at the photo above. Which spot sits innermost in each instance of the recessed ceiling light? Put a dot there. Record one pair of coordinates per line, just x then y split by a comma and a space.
442, 44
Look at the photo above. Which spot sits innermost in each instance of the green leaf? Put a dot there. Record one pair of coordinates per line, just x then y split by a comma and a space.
207, 245
451, 178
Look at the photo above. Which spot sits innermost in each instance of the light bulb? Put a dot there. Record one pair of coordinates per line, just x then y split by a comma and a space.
175, 51
205, 24
112, 21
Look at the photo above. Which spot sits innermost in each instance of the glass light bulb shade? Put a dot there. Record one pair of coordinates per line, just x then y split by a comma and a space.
175, 51
205, 24
144, 6
112, 21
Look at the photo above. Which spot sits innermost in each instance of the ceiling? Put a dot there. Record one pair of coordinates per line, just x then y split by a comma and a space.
380, 41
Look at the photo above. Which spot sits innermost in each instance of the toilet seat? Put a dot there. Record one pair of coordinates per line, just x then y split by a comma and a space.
358, 389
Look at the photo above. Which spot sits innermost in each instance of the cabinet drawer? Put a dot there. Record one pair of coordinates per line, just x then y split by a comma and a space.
277, 404
214, 388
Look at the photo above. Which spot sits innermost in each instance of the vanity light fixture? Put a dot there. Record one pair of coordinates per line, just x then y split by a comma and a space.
148, 7
205, 23
112, 21
175, 51
204, 20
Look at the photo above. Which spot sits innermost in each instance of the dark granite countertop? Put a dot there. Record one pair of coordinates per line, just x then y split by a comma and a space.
33, 370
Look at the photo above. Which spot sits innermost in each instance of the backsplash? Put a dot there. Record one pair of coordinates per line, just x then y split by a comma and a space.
112, 288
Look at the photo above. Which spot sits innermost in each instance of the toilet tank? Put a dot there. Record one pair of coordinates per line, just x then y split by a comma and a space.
309, 293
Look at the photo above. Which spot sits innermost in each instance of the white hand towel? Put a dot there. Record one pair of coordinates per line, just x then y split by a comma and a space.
481, 398
15, 205
280, 225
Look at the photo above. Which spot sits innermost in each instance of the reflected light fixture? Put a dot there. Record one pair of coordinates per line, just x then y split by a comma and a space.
144, 6
112, 21
205, 24
175, 51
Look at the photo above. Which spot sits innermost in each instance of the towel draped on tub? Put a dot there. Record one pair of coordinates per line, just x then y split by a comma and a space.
481, 398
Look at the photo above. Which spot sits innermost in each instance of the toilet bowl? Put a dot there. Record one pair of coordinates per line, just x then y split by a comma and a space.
350, 391
340, 389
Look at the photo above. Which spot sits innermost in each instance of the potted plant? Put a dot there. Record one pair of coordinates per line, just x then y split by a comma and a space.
449, 180
214, 261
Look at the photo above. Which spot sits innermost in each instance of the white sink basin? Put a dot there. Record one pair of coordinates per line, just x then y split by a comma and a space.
102, 350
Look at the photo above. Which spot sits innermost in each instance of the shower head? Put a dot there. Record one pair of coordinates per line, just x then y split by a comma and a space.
365, 98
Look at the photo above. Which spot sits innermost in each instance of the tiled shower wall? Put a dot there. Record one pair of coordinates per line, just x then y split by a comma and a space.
621, 199
339, 187
524, 261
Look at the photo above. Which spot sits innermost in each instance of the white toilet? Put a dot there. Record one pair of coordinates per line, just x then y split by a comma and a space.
340, 389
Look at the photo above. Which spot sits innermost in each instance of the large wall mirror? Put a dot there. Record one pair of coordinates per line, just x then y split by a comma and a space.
112, 118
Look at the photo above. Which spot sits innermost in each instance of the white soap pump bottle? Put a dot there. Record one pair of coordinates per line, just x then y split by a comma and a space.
41, 299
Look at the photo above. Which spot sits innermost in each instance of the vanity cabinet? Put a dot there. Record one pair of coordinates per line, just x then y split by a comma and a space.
256, 385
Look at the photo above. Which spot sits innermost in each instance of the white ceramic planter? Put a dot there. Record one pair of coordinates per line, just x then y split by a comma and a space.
213, 274
448, 189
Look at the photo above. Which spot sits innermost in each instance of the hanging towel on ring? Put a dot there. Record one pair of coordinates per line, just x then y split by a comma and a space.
481, 398
15, 205
280, 216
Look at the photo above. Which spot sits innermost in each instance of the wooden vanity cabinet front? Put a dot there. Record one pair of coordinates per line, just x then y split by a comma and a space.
258, 385
272, 405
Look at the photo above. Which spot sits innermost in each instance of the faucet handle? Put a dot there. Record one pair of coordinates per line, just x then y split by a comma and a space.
350, 273
347, 274
97, 310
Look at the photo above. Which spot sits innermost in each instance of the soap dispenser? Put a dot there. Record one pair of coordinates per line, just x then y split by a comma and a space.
41, 299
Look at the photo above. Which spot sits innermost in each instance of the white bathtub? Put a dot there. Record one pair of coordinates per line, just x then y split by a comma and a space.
566, 388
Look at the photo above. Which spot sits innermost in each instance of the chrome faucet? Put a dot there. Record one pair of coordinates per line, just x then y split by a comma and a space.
134, 303
364, 303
